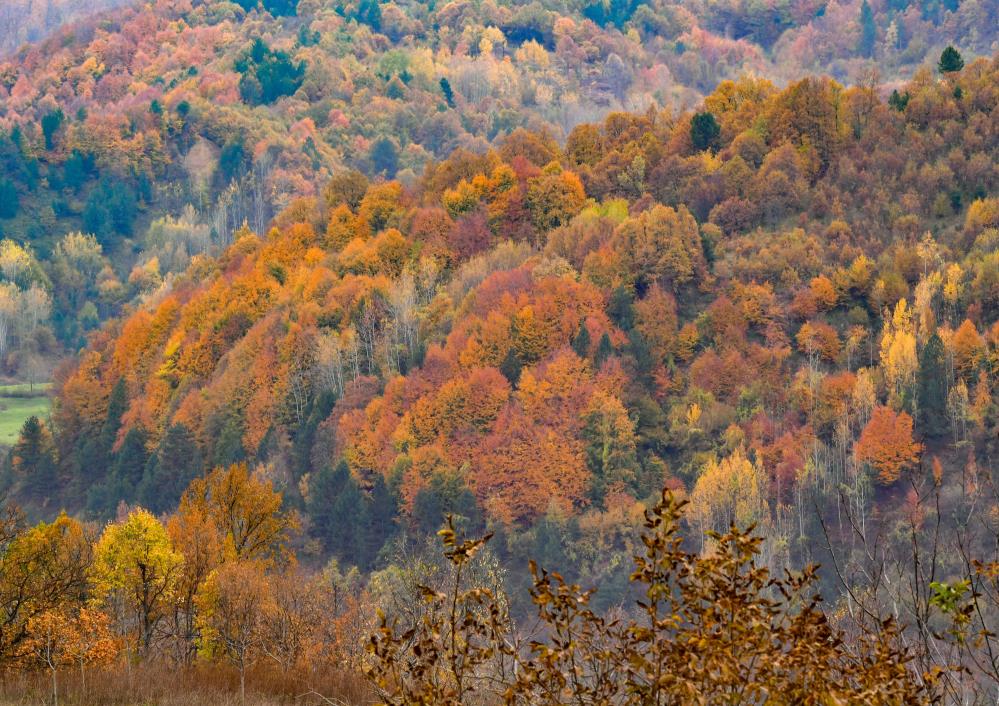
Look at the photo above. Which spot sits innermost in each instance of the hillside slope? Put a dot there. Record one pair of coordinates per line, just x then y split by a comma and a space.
24, 21
802, 308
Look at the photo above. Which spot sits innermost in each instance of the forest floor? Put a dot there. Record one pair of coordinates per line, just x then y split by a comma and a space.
18, 401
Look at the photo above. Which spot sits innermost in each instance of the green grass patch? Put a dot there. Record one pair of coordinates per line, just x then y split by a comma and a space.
18, 401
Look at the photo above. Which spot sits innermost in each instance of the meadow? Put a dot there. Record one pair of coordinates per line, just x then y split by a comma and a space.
18, 401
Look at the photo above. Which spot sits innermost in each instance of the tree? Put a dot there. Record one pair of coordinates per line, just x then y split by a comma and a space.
384, 157
300, 615
10, 299
33, 460
618, 76
65, 636
898, 354
51, 635
231, 607
868, 31
42, 569
168, 472
51, 122
715, 627
610, 446
704, 131
581, 341
898, 101
729, 493
9, 201
336, 506
511, 366
129, 466
346, 187
229, 444
932, 388
950, 61
267, 74
244, 511
447, 495
136, 571
93, 641
661, 245
447, 91
195, 537
605, 349
886, 444
554, 198
968, 347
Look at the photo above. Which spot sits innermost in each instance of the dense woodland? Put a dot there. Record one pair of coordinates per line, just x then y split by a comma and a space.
161, 127
23, 21
782, 307
340, 275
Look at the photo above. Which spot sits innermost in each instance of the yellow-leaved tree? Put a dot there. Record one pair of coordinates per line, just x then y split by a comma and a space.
135, 575
730, 492
41, 569
899, 361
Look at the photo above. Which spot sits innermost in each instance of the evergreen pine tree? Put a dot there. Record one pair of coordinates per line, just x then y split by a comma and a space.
898, 101
868, 31
33, 460
447, 91
704, 131
129, 466
324, 487
581, 343
621, 308
381, 520
168, 472
95, 451
229, 446
9, 201
931, 392
305, 435
348, 524
605, 349
511, 367
950, 61
446, 495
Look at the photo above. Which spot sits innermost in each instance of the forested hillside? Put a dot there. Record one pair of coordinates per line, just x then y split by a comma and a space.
323, 279
162, 127
24, 21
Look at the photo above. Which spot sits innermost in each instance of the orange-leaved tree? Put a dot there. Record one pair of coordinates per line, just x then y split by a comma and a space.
887, 445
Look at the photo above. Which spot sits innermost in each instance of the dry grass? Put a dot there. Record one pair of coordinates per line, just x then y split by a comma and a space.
161, 685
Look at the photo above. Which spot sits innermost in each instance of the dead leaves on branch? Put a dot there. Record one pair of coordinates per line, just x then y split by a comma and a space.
710, 628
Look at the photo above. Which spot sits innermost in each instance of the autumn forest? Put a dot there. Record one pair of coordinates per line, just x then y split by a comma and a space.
637, 352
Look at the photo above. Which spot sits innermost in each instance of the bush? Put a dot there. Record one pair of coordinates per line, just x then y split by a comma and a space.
711, 628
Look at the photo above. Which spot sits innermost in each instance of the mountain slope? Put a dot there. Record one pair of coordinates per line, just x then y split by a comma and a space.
24, 21
727, 303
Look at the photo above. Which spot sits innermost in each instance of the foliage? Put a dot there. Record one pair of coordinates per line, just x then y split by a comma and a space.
135, 572
950, 61
707, 630
886, 443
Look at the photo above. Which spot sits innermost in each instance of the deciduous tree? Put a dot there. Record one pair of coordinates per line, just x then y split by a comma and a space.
886, 444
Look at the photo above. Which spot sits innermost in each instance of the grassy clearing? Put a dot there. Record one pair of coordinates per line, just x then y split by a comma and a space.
199, 685
18, 401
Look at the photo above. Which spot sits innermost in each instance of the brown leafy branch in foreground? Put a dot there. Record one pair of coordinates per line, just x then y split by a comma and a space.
710, 628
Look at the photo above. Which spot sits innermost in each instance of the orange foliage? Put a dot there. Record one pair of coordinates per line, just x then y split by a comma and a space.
886, 444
